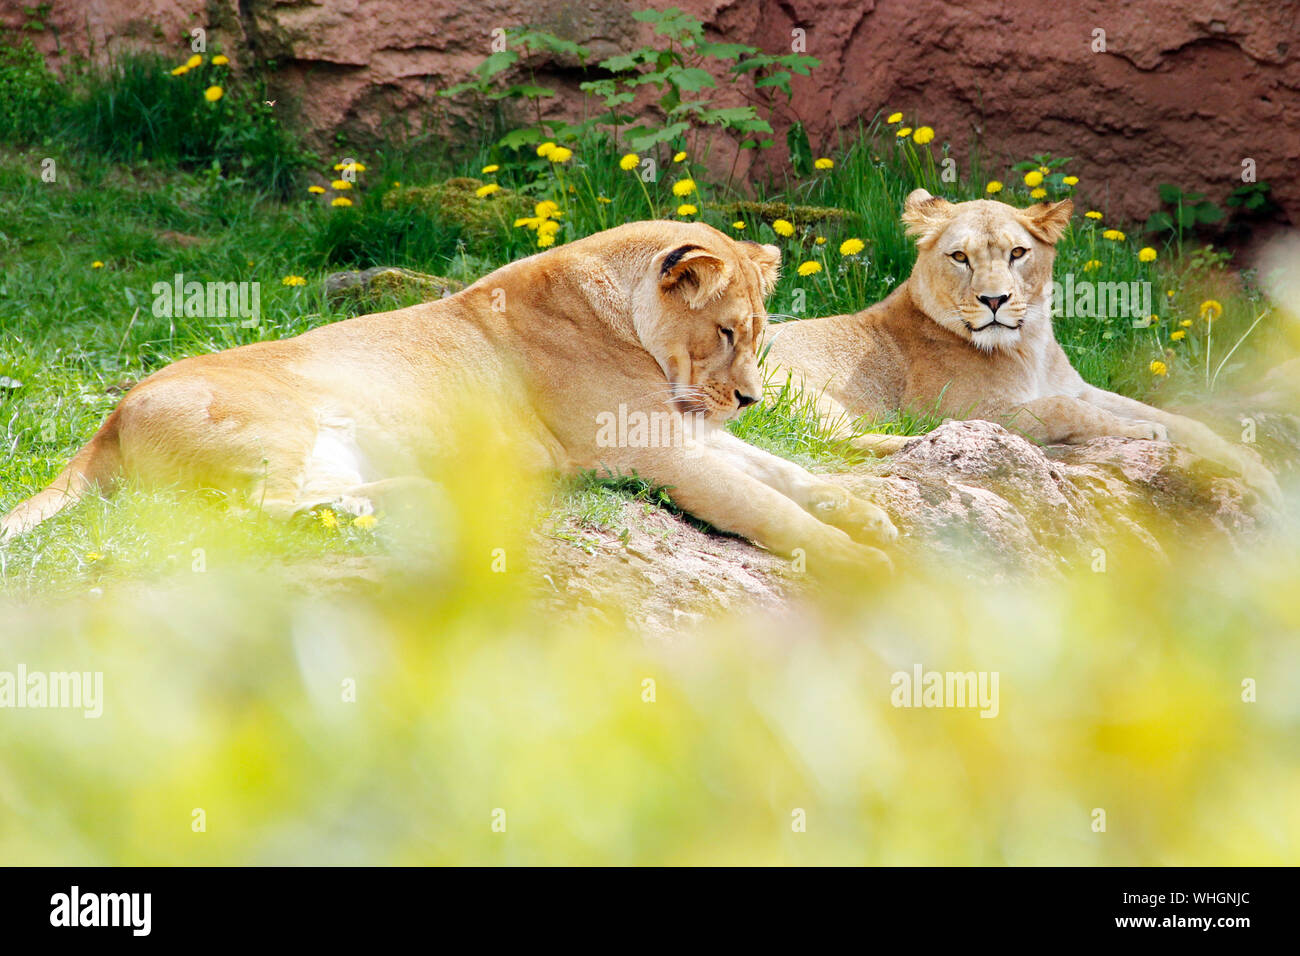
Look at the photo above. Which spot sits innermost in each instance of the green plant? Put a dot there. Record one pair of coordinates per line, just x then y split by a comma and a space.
30, 95
674, 71
1186, 213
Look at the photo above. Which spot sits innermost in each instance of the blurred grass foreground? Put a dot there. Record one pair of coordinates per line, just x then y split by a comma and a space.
257, 712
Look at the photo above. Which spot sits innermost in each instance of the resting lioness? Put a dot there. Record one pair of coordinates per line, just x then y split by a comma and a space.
657, 319
969, 335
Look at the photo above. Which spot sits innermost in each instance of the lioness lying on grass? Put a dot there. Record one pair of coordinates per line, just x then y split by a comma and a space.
653, 319
969, 334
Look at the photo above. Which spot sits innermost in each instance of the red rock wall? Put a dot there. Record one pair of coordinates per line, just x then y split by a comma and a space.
1185, 90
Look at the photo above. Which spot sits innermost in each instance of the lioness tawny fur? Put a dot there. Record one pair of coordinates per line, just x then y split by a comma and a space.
969, 335
660, 318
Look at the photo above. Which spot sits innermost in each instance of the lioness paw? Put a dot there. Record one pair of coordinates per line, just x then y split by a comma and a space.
860, 519
1150, 431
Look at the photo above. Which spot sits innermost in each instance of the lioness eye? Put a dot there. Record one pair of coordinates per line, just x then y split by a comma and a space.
959, 256
729, 335
1018, 251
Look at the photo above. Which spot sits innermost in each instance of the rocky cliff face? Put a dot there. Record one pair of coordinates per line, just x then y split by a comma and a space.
1184, 91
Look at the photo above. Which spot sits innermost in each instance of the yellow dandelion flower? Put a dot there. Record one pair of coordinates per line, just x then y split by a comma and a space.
629, 161
340, 201
783, 228
353, 167
738, 225
894, 118
1113, 234
1038, 193
1146, 254
1071, 180
293, 280
994, 186
686, 209
180, 70
397, 185
851, 247
1092, 214
922, 135
1153, 318
809, 268
547, 209
548, 227
680, 157
603, 200
1092, 265
316, 189
97, 264
194, 61
93, 556
340, 185
1044, 170
1186, 323
1033, 178
213, 93
1211, 310
545, 239
487, 190
545, 149
560, 154
820, 240
220, 60
492, 168
1158, 368
1178, 335
824, 163
328, 519
365, 522
905, 132
683, 187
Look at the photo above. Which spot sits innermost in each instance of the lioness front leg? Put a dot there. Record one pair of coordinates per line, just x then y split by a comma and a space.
1061, 419
706, 484
1196, 437
825, 501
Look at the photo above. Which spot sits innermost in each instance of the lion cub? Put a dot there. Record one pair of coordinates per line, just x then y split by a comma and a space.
970, 334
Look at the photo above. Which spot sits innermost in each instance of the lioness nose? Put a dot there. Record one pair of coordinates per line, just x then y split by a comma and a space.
994, 302
744, 400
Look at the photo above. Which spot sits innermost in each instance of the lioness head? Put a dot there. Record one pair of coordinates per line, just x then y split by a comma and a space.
983, 268
700, 313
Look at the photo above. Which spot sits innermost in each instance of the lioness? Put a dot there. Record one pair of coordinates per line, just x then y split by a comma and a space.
969, 334
656, 318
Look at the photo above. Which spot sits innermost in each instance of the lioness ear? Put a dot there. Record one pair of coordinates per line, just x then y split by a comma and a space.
768, 260
1047, 220
697, 274
925, 215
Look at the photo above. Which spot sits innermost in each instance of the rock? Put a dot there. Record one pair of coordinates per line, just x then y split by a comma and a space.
1179, 94
803, 216
370, 285
978, 496
455, 201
